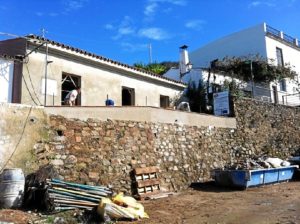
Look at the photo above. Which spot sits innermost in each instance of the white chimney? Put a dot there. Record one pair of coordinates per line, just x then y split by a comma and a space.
184, 63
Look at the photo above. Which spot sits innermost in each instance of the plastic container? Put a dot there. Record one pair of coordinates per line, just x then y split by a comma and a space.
12, 182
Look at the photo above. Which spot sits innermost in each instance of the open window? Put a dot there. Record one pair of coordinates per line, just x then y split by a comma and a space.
68, 83
128, 96
164, 101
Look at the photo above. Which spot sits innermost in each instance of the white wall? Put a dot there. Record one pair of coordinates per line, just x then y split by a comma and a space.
246, 42
96, 82
6, 79
291, 56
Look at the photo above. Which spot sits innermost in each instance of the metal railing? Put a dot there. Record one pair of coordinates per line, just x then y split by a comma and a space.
291, 99
272, 95
273, 31
278, 34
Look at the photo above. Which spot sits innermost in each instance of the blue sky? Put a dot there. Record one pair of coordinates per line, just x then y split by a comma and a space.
123, 29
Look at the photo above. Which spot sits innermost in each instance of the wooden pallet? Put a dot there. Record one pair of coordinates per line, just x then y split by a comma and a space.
146, 181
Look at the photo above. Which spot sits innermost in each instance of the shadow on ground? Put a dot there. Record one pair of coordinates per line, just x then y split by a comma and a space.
211, 186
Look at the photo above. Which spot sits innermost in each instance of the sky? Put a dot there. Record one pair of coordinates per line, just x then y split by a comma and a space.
122, 30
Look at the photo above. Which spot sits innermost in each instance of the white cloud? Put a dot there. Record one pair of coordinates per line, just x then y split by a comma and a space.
133, 47
261, 3
124, 28
154, 33
53, 14
153, 5
39, 13
72, 5
109, 26
150, 9
195, 24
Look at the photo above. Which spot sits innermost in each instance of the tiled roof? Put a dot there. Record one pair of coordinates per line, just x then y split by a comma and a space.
101, 58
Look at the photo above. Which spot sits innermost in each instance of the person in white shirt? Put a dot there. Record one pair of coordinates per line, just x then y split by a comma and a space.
71, 97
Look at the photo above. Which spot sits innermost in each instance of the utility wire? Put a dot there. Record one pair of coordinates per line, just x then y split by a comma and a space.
32, 85
21, 136
28, 89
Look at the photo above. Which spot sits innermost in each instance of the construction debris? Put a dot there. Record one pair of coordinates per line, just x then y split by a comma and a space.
66, 195
258, 163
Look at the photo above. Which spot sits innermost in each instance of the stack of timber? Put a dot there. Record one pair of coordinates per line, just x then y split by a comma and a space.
147, 182
66, 195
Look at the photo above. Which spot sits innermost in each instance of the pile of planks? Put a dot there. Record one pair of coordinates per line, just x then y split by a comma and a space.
66, 195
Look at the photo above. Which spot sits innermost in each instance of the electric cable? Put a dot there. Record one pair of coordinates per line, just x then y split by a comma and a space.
21, 136
32, 84
28, 90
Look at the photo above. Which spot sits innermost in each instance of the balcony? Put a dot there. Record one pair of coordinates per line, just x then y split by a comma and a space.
291, 41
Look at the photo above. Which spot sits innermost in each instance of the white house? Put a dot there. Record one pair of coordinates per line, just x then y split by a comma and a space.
6, 78
47, 70
269, 43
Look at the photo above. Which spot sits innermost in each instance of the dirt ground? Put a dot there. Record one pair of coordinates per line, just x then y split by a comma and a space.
206, 203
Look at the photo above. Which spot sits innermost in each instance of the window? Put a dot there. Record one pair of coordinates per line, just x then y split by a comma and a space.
279, 56
282, 84
164, 101
68, 83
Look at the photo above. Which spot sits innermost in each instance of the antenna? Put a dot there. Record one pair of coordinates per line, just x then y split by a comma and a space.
43, 31
150, 53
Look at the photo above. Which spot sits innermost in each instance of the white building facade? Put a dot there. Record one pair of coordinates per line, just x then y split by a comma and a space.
260, 40
48, 70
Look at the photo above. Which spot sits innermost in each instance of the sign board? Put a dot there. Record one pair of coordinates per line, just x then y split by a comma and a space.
51, 87
221, 103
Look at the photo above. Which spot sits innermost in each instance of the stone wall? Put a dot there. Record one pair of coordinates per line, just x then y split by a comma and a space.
105, 152
20, 128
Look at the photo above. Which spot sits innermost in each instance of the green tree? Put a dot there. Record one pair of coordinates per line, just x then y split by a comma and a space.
195, 94
157, 68
263, 70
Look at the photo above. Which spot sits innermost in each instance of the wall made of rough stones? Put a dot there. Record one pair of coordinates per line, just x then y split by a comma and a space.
106, 152
20, 128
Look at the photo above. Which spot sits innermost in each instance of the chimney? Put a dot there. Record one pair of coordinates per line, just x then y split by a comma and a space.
184, 62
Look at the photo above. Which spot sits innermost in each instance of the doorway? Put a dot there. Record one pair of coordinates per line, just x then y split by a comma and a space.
164, 101
275, 94
128, 96
68, 83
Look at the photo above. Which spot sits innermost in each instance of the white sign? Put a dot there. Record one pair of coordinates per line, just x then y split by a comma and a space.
221, 103
51, 87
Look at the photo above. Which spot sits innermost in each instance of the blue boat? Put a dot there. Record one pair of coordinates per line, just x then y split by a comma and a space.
251, 178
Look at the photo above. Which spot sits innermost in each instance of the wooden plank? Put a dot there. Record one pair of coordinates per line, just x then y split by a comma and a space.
143, 170
143, 183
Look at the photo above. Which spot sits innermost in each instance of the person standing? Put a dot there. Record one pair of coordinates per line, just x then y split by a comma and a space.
71, 97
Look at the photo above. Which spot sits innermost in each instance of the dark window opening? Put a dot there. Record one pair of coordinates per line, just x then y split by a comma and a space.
279, 56
68, 83
128, 96
282, 85
164, 101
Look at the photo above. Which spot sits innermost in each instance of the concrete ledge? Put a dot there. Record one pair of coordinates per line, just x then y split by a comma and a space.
143, 114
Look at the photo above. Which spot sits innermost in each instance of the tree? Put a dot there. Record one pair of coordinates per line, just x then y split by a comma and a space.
263, 70
196, 96
157, 68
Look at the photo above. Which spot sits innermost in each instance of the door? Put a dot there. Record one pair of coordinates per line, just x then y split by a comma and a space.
275, 94
128, 96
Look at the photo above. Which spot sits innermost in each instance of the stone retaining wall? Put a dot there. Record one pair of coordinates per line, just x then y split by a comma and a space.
105, 152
